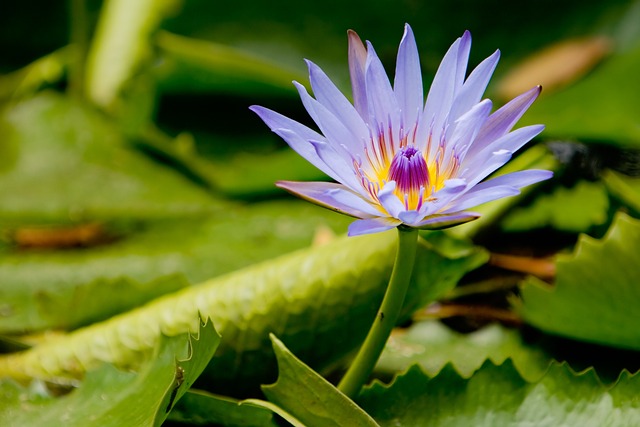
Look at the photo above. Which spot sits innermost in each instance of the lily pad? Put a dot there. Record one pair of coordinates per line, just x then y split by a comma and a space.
576, 210
498, 396
112, 397
323, 313
596, 293
432, 346
70, 288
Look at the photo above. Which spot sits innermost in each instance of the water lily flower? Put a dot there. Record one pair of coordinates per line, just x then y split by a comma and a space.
399, 160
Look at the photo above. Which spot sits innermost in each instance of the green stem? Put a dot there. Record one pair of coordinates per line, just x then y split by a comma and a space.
388, 314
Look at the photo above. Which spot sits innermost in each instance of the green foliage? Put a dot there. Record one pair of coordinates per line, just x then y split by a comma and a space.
321, 313
308, 397
197, 65
67, 289
596, 290
601, 98
111, 397
198, 407
576, 209
625, 188
62, 161
433, 346
498, 396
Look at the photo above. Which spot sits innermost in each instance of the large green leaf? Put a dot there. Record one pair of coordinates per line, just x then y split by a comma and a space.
307, 396
321, 301
61, 161
111, 397
576, 209
596, 290
433, 346
67, 289
498, 396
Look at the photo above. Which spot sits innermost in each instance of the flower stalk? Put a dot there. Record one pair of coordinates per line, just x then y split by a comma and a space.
387, 316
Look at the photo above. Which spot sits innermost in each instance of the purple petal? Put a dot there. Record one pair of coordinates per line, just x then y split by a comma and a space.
336, 133
463, 58
372, 225
382, 103
296, 135
343, 171
446, 84
408, 79
331, 196
357, 63
475, 198
516, 179
389, 200
474, 87
502, 186
466, 128
501, 122
479, 169
437, 222
335, 102
512, 141
278, 121
452, 188
410, 217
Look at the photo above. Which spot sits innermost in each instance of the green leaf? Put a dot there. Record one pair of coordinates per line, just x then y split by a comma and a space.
111, 397
197, 407
624, 188
43, 71
192, 65
61, 161
321, 313
121, 43
309, 397
596, 290
432, 346
71, 288
498, 396
576, 209
611, 107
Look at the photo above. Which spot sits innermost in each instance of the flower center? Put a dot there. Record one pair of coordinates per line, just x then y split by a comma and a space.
409, 170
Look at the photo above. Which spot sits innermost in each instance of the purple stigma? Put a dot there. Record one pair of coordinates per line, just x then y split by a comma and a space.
409, 171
